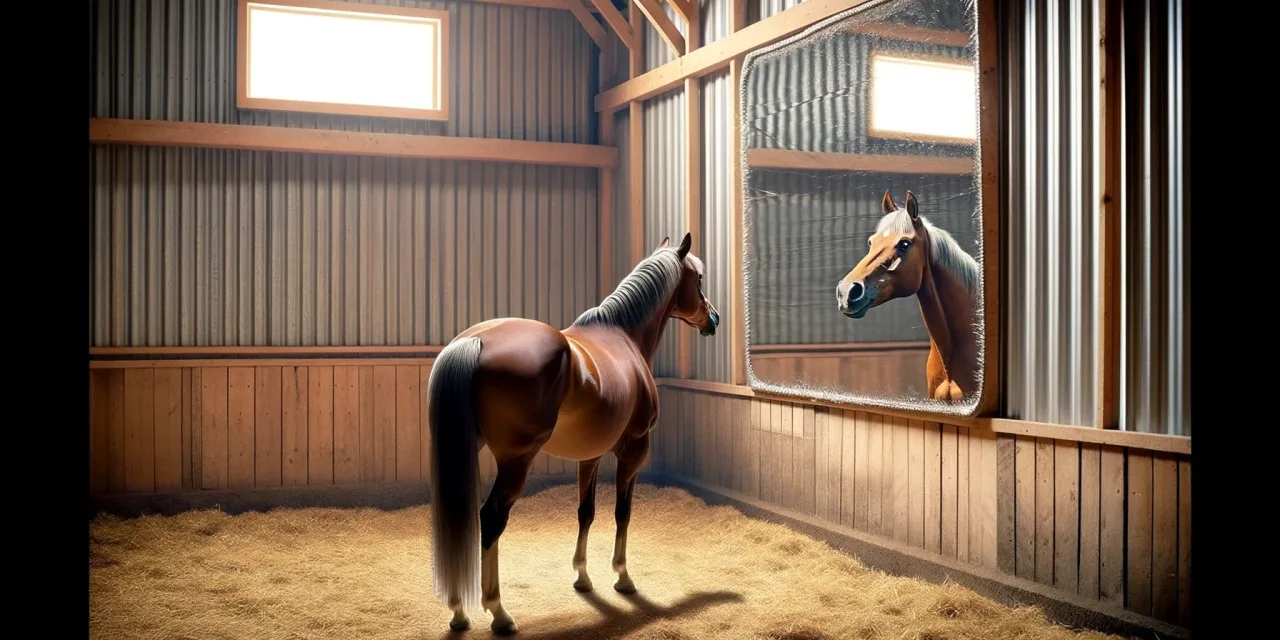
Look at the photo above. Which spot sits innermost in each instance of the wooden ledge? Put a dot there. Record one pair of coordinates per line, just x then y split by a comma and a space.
181, 363
853, 162
170, 357
276, 352
1180, 445
165, 133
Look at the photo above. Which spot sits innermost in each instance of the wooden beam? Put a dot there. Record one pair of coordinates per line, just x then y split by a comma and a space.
629, 37
693, 176
688, 11
720, 53
635, 216
737, 320
662, 22
825, 161
275, 352
588, 21
989, 149
1108, 92
263, 362
163, 133
536, 4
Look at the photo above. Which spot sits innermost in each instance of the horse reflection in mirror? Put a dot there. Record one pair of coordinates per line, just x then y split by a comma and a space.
909, 256
521, 387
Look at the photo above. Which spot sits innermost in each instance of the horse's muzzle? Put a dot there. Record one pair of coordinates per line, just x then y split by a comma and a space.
710, 328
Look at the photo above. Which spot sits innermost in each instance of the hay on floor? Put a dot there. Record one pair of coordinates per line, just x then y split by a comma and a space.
702, 572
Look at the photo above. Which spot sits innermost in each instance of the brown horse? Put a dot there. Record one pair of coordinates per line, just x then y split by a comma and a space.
521, 387
908, 255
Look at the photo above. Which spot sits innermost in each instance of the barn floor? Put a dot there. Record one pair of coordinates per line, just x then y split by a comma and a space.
702, 572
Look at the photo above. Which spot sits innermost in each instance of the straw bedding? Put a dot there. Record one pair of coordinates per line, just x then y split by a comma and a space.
702, 572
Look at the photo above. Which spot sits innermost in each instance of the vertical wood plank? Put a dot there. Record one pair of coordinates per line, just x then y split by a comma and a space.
858, 430
901, 473
1090, 503
214, 421
1044, 511
723, 454
197, 427
99, 451
989, 509
368, 448
803, 451
347, 461
115, 431
963, 508
294, 410
1025, 507
752, 484
384, 423
139, 430
843, 460
1138, 556
1164, 551
240, 436
188, 483
933, 481
949, 504
408, 431
1111, 530
1184, 543
168, 429
879, 460
268, 426
822, 497
321, 401
916, 511
1066, 516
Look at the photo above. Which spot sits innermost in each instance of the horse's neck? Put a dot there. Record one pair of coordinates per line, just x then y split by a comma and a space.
648, 336
947, 312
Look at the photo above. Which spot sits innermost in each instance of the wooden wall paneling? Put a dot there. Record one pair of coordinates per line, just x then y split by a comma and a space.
668, 441
727, 440
240, 433
1138, 551
1044, 511
1025, 507
347, 461
751, 474
139, 430
803, 451
846, 432
294, 428
99, 462
367, 432
213, 427
964, 510
1066, 516
1111, 526
1184, 543
949, 504
768, 475
384, 421
189, 420
167, 425
267, 430
424, 424
1164, 539
916, 511
323, 390
879, 460
858, 435
984, 490
408, 431
1090, 512
900, 484
828, 427
785, 487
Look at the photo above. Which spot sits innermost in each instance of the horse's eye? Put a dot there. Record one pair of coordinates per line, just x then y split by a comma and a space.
903, 245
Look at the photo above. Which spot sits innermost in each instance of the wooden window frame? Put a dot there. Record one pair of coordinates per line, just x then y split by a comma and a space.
443, 80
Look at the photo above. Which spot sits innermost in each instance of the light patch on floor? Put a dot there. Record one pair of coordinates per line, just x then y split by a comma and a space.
701, 572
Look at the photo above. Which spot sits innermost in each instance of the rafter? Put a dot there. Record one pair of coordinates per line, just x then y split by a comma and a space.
685, 8
615, 20
662, 22
594, 29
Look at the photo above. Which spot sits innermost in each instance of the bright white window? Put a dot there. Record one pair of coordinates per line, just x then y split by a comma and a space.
334, 57
923, 100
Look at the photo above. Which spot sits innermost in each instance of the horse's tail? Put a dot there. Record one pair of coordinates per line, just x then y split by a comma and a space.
455, 473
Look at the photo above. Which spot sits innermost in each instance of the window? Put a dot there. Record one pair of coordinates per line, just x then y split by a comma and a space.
343, 58
916, 99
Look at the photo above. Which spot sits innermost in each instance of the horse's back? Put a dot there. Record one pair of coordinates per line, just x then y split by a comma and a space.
522, 373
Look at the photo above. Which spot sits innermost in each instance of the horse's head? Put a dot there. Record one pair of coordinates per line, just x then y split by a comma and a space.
893, 267
689, 305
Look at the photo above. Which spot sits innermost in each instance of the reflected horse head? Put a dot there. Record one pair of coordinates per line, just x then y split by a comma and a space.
909, 256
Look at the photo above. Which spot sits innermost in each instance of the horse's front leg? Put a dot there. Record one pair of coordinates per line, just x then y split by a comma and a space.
587, 474
631, 456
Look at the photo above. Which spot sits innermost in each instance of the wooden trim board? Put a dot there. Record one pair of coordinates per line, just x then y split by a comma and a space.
850, 162
264, 138
277, 352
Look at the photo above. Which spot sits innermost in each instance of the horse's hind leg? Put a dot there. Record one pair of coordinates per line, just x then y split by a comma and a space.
512, 474
631, 455
587, 474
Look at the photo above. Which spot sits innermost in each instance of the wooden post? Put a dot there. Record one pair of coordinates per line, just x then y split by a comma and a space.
606, 282
693, 172
1108, 203
637, 140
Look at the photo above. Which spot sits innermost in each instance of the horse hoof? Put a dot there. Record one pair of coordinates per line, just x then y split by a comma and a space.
460, 625
583, 585
504, 628
625, 586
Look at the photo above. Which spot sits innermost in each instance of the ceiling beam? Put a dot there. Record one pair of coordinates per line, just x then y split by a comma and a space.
662, 22
617, 22
594, 29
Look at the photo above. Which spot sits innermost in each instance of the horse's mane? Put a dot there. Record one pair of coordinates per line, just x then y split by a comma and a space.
639, 294
944, 250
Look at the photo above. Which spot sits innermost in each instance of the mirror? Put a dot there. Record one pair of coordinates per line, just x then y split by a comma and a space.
862, 210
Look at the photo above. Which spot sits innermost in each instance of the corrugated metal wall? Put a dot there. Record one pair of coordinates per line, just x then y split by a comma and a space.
1052, 181
215, 247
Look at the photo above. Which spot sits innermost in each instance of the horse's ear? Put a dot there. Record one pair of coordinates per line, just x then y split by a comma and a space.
887, 205
685, 245
913, 207
665, 241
